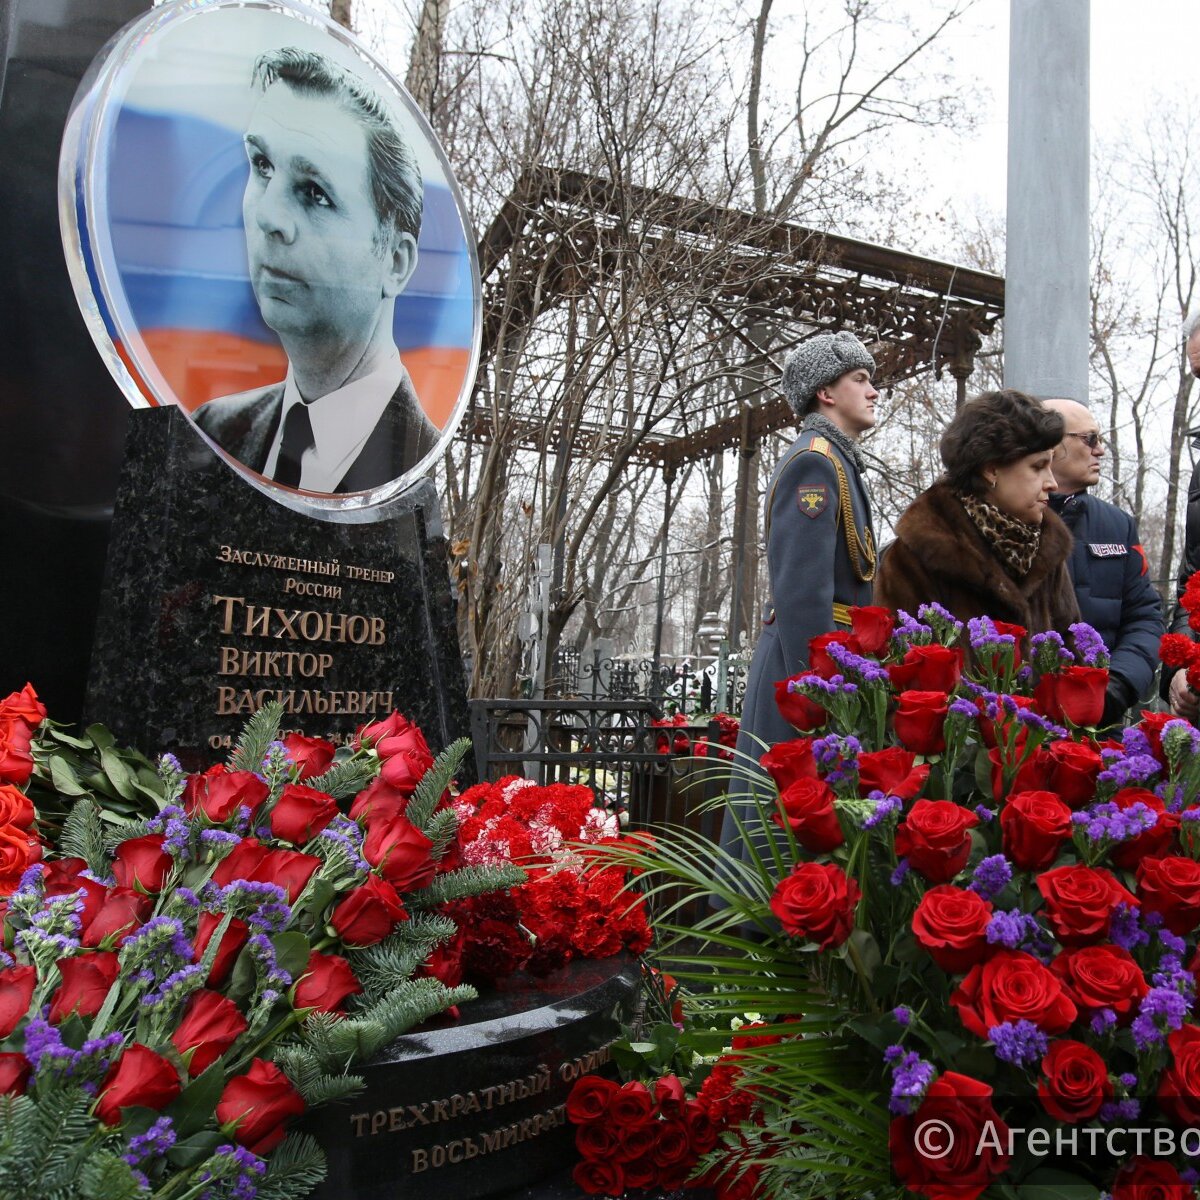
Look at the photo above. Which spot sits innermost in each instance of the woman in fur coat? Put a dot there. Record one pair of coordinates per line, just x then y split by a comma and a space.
982, 540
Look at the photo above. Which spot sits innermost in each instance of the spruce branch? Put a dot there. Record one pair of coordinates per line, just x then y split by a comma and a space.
466, 881
434, 782
254, 741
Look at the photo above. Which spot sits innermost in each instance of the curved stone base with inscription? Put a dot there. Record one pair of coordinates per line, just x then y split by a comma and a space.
475, 1108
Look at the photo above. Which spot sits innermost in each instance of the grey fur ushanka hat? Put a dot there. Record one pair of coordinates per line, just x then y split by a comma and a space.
820, 361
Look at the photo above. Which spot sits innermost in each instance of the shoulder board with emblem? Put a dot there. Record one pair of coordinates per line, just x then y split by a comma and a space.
819, 445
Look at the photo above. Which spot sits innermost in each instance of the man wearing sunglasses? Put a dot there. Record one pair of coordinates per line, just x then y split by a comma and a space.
1108, 565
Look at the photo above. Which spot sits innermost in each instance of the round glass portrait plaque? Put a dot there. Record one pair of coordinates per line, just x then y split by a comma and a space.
262, 229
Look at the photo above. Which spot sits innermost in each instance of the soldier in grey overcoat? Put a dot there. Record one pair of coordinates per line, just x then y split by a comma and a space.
820, 544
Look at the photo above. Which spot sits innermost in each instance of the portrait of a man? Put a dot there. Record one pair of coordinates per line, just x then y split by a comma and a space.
332, 214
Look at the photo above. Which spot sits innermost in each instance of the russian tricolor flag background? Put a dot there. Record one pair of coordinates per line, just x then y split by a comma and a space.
176, 170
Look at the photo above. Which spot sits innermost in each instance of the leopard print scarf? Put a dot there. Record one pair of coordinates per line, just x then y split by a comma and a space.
1013, 541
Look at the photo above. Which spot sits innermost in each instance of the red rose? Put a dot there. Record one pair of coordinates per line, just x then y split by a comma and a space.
326, 984
398, 731
311, 755
1035, 825
961, 1109
138, 1078
1080, 902
219, 793
301, 813
1156, 842
599, 1177
871, 626
142, 863
1012, 986
1102, 977
702, 1130
1151, 725
928, 669
797, 709
86, 981
893, 772
256, 863
1171, 886
1150, 1179
670, 1096
819, 661
919, 721
16, 991
16, 760
788, 761
400, 851
210, 1024
379, 800
123, 911
951, 925
445, 963
1075, 694
590, 1099
19, 850
632, 1107
1073, 770
23, 706
15, 1070
672, 1145
935, 838
1074, 1082
255, 1107
596, 1142
816, 902
368, 913
1179, 1084
995, 730
15, 807
232, 941
806, 806
633, 1145
62, 877
405, 770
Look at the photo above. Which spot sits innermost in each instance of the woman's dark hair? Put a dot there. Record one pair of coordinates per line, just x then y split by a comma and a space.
997, 427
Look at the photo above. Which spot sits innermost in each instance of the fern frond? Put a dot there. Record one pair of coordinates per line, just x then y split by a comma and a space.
254, 740
83, 836
344, 779
436, 780
294, 1169
466, 881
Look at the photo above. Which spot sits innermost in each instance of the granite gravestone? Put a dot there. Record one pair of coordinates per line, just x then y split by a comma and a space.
217, 600
475, 1108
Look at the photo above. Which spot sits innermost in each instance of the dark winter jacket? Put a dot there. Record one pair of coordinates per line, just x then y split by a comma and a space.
1191, 551
1116, 597
939, 555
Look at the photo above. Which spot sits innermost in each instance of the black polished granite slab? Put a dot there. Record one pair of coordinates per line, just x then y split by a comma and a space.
217, 599
474, 1108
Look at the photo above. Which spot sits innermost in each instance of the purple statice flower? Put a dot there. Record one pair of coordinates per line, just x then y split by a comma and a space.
961, 707
1018, 1042
991, 876
1170, 974
1103, 1021
169, 996
1035, 720
1162, 1011
1135, 741
327, 839
1127, 1081
985, 637
837, 757
161, 943
1089, 645
186, 897
168, 765
269, 970
885, 806
277, 763
1120, 1110
178, 838
1049, 652
908, 631
865, 670
6, 959
351, 829
1125, 928
1107, 823
1024, 676
30, 889
903, 1014
1011, 929
897, 876
944, 623
237, 1170
166, 814
244, 896
241, 820
1171, 943
1132, 770
986, 815
51, 1058
911, 1077
53, 930
1180, 740
154, 1143
219, 843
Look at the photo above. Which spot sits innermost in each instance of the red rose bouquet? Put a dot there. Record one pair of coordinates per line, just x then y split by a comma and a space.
987, 910
176, 989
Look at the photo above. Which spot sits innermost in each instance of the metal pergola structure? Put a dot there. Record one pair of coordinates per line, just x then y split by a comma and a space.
769, 283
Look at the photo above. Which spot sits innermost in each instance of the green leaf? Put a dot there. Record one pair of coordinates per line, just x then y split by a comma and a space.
100, 737
64, 778
192, 1151
193, 1108
291, 952
118, 774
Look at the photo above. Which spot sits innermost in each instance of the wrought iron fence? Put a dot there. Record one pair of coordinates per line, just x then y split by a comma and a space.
689, 687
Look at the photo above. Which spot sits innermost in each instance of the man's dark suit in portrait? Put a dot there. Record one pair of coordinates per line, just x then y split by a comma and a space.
332, 213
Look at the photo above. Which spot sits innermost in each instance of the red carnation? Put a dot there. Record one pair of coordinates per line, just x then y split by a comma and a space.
1177, 650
